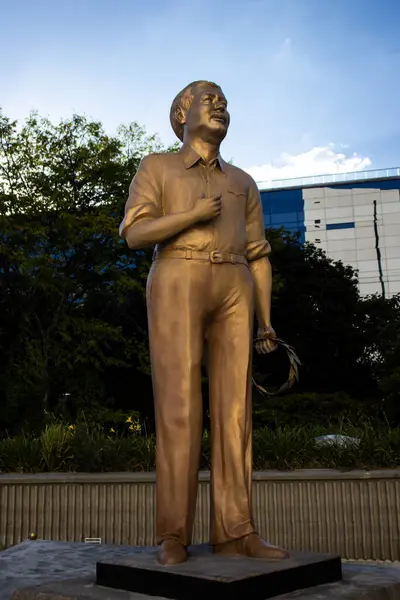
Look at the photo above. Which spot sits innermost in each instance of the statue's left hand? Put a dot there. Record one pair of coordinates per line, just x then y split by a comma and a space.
265, 340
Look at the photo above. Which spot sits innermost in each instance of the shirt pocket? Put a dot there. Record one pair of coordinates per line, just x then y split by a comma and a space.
237, 191
237, 198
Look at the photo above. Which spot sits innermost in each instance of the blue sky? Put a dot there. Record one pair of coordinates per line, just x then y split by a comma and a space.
312, 85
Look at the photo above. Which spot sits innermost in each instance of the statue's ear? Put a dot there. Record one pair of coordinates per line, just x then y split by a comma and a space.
181, 115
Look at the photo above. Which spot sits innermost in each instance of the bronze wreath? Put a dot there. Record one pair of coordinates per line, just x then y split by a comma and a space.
293, 369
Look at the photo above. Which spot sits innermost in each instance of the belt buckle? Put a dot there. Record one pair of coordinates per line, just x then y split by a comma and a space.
215, 257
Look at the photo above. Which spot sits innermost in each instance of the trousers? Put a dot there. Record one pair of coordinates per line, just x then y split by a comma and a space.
190, 302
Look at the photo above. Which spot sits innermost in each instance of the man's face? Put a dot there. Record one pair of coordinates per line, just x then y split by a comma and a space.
207, 117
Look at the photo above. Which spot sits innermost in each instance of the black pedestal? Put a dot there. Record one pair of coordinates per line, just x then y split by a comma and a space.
206, 575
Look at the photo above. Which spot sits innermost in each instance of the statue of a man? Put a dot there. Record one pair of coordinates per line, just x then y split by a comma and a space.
210, 273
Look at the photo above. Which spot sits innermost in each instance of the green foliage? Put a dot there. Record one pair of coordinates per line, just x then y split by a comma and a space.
291, 448
382, 354
317, 308
349, 346
312, 408
55, 446
21, 454
72, 320
92, 449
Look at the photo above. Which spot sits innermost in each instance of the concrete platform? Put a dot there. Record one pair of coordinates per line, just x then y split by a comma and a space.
66, 571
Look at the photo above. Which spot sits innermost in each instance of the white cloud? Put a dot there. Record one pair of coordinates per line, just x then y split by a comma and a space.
320, 160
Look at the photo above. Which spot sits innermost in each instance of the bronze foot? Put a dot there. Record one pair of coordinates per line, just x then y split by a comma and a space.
171, 552
252, 545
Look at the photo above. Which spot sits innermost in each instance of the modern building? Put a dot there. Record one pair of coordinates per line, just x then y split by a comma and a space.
354, 217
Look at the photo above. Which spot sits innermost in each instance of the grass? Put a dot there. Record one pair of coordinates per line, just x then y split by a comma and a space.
91, 449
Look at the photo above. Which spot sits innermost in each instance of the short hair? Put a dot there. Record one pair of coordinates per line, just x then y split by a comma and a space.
184, 100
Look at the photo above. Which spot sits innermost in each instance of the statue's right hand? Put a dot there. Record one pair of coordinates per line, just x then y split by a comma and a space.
207, 208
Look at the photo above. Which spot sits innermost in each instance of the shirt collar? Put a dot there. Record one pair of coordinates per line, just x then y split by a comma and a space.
190, 158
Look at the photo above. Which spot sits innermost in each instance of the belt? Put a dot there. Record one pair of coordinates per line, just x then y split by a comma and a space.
214, 257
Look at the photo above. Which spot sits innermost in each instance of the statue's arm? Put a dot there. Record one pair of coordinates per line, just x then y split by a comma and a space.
262, 275
144, 223
258, 249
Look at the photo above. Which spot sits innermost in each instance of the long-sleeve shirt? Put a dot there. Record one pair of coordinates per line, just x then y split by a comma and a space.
172, 182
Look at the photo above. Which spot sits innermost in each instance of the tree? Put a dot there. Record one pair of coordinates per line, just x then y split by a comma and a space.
317, 308
382, 351
72, 296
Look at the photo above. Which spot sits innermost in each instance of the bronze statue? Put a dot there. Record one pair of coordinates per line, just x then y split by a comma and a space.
210, 273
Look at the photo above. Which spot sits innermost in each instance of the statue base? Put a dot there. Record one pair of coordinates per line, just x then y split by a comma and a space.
224, 577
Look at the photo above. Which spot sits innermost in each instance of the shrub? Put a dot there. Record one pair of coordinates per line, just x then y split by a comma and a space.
92, 449
315, 409
21, 454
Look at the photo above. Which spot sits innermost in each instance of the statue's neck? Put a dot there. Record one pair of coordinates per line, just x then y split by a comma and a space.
208, 151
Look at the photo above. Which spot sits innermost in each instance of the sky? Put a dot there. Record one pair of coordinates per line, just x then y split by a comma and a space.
313, 85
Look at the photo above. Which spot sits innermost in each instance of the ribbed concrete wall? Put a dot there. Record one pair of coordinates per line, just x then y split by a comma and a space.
356, 514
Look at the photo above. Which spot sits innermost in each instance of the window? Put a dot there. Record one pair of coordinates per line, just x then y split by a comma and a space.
340, 225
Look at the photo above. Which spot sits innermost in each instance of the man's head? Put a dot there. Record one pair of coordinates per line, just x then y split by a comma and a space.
200, 110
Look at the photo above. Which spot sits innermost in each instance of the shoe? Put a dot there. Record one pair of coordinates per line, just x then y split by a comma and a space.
254, 546
171, 552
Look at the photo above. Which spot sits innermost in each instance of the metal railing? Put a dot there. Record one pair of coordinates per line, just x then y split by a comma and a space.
314, 180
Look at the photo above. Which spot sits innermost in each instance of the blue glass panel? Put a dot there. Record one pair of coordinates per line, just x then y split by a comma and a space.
284, 208
265, 202
284, 217
340, 226
282, 201
287, 201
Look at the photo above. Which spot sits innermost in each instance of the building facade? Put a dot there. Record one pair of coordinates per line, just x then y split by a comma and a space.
354, 217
